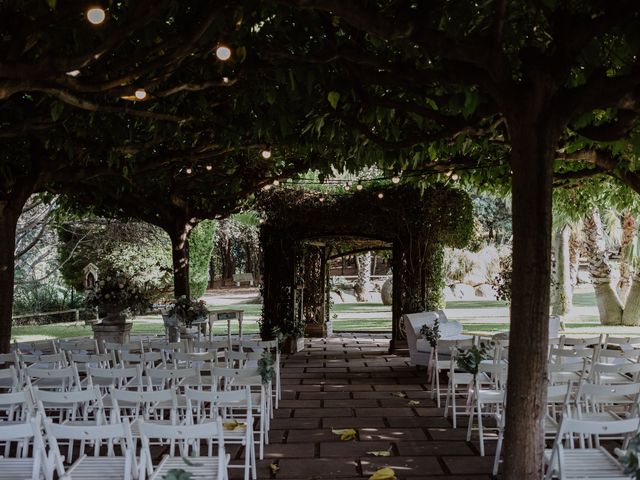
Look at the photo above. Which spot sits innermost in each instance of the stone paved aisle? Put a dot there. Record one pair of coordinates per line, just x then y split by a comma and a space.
349, 381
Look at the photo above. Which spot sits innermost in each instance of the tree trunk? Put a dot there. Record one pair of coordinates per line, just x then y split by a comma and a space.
562, 289
574, 257
629, 231
8, 222
631, 314
533, 138
363, 284
609, 305
180, 256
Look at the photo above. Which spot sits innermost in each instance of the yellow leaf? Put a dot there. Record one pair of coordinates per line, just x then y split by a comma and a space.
233, 425
345, 433
380, 453
399, 394
385, 473
413, 402
274, 468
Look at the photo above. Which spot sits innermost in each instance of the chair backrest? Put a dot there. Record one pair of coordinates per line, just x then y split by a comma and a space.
605, 394
233, 398
146, 359
16, 406
240, 359
607, 355
210, 345
568, 355
248, 376
115, 377
43, 360
170, 377
65, 378
259, 345
134, 404
571, 425
450, 329
10, 358
73, 405
98, 360
79, 345
625, 371
195, 359
11, 378
559, 393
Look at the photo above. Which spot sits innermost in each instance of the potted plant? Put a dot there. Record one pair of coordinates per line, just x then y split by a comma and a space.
181, 315
115, 296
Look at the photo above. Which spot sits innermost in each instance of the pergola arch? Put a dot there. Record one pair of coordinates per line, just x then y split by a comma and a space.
416, 224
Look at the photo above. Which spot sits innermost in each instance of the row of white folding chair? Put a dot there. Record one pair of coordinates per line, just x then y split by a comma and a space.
72, 429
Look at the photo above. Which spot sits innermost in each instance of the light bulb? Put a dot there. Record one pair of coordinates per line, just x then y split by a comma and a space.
188, 170
225, 79
321, 199
73, 73
347, 188
96, 15
359, 186
266, 154
267, 187
395, 179
261, 221
276, 182
223, 53
455, 177
380, 195
140, 94
209, 167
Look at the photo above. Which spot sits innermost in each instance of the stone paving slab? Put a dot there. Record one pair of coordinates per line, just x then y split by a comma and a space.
351, 381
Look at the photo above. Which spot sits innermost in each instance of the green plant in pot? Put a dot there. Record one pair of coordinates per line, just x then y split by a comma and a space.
188, 311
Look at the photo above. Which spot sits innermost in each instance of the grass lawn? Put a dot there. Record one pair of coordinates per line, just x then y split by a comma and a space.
475, 315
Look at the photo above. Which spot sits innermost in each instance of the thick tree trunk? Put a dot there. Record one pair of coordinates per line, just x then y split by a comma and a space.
562, 288
609, 305
631, 314
574, 257
363, 284
533, 140
629, 231
8, 222
179, 235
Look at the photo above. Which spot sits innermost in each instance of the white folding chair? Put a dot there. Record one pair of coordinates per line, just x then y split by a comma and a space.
10, 380
271, 346
233, 379
234, 408
27, 437
492, 398
573, 463
99, 467
189, 458
612, 374
567, 372
161, 378
607, 402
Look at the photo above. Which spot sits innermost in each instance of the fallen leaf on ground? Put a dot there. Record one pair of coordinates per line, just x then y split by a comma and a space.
233, 425
345, 433
274, 469
399, 394
380, 453
385, 473
413, 402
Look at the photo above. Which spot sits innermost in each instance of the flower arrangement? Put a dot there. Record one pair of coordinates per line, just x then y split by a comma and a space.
114, 293
265, 366
630, 458
469, 360
431, 334
188, 310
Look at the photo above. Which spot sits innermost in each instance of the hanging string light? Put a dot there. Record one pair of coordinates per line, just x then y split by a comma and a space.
380, 195
395, 179
455, 177
266, 154
276, 182
96, 15
209, 167
359, 186
140, 94
189, 170
223, 53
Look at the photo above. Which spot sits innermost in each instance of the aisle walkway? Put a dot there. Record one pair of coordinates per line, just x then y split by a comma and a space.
349, 381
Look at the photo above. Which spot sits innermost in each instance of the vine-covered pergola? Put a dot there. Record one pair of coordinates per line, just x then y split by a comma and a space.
298, 223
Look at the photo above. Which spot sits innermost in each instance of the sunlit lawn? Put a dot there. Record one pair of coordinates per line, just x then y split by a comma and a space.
346, 317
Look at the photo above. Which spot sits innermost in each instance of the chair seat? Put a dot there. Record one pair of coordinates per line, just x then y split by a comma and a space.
16, 468
589, 463
204, 468
102, 468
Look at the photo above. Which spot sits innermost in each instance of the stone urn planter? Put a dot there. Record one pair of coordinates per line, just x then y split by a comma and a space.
113, 327
319, 330
291, 345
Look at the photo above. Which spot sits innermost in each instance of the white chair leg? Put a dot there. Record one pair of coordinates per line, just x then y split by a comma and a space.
480, 433
470, 425
496, 461
436, 373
